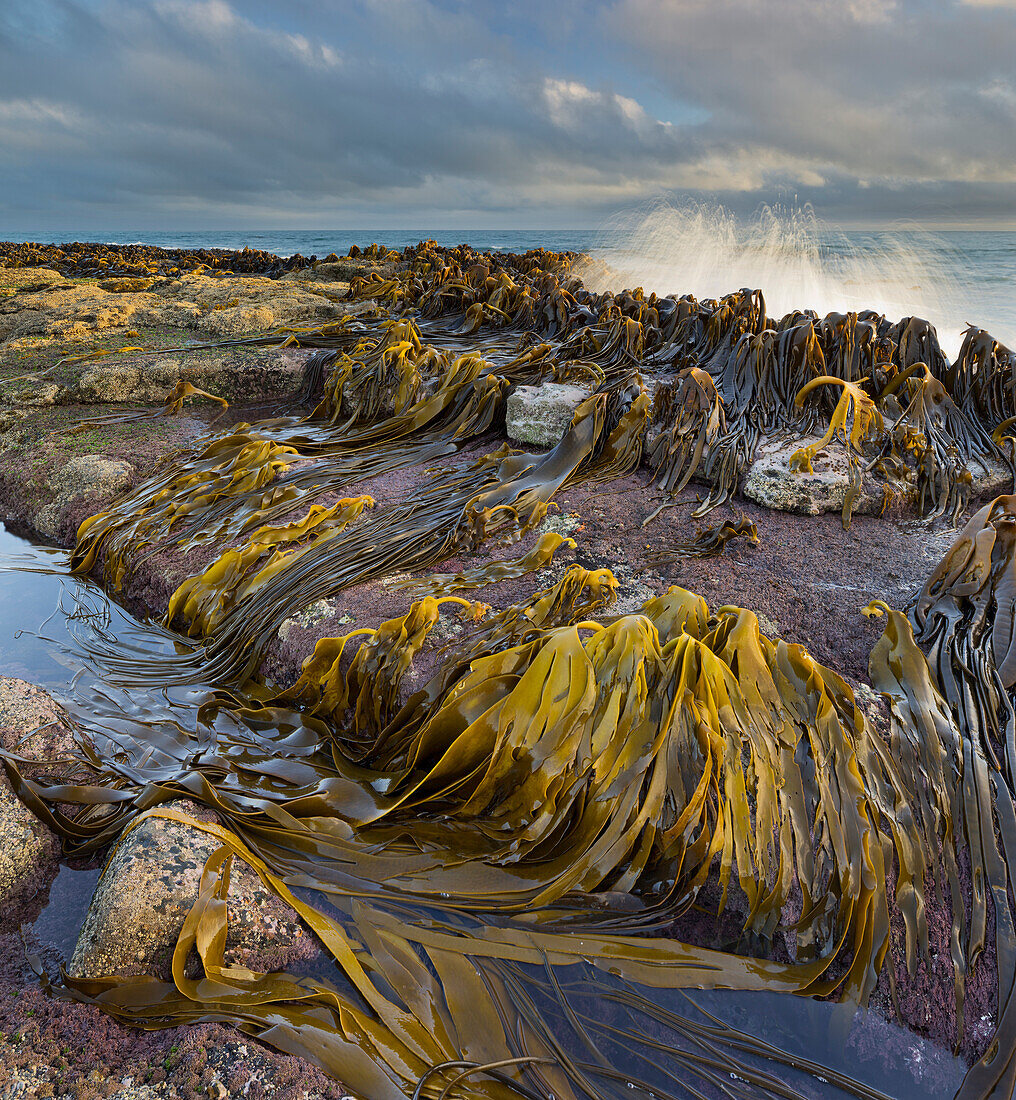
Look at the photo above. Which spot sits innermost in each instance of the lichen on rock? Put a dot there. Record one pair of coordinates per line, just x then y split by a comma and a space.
149, 886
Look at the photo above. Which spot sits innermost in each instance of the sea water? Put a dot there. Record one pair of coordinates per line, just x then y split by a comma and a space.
952, 278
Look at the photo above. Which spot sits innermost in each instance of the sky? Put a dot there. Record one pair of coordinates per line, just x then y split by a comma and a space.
165, 114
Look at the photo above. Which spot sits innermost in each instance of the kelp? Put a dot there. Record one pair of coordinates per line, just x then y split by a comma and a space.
710, 541
493, 829
865, 422
202, 601
541, 556
942, 439
956, 710
550, 759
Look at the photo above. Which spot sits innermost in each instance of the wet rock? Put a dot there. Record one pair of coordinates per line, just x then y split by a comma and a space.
149, 886
541, 414
993, 481
31, 725
90, 475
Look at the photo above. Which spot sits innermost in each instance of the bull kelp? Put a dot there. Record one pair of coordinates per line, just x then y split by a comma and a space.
498, 860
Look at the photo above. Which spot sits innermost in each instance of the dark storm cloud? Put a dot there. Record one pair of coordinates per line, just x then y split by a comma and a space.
205, 111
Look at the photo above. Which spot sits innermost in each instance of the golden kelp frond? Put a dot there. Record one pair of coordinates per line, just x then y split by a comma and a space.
505, 816
539, 557
231, 466
866, 423
173, 406
203, 600
384, 376
182, 390
609, 756
428, 1006
644, 756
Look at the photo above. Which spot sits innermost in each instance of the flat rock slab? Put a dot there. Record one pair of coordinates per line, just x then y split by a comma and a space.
540, 415
147, 890
34, 726
237, 374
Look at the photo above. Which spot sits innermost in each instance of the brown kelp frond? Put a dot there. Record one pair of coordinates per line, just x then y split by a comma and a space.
428, 1005
866, 423
203, 600
940, 437
505, 815
854, 351
963, 617
926, 754
710, 541
541, 555
689, 411
984, 376
917, 342
563, 785
230, 466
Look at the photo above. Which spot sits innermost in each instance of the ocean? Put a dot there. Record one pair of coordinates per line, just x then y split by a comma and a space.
953, 278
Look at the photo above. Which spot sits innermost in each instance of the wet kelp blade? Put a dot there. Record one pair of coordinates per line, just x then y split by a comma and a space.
552, 758
527, 1003
564, 779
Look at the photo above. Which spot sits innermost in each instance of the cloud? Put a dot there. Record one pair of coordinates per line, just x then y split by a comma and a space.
288, 111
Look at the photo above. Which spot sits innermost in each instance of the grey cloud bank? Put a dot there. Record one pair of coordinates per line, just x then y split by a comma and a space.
164, 113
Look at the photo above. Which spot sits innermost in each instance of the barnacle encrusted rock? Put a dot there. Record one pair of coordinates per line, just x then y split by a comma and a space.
87, 474
237, 321
772, 483
31, 725
149, 886
541, 414
53, 308
236, 374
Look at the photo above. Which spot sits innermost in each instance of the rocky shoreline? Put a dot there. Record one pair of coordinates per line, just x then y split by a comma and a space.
806, 579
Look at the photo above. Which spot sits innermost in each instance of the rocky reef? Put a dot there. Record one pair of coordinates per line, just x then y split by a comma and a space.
309, 472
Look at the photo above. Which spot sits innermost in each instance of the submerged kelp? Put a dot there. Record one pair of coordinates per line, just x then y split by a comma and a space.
495, 856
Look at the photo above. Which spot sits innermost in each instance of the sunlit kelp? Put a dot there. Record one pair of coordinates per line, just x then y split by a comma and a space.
552, 760
528, 318
510, 837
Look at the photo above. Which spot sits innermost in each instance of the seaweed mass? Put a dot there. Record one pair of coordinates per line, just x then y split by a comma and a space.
495, 860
